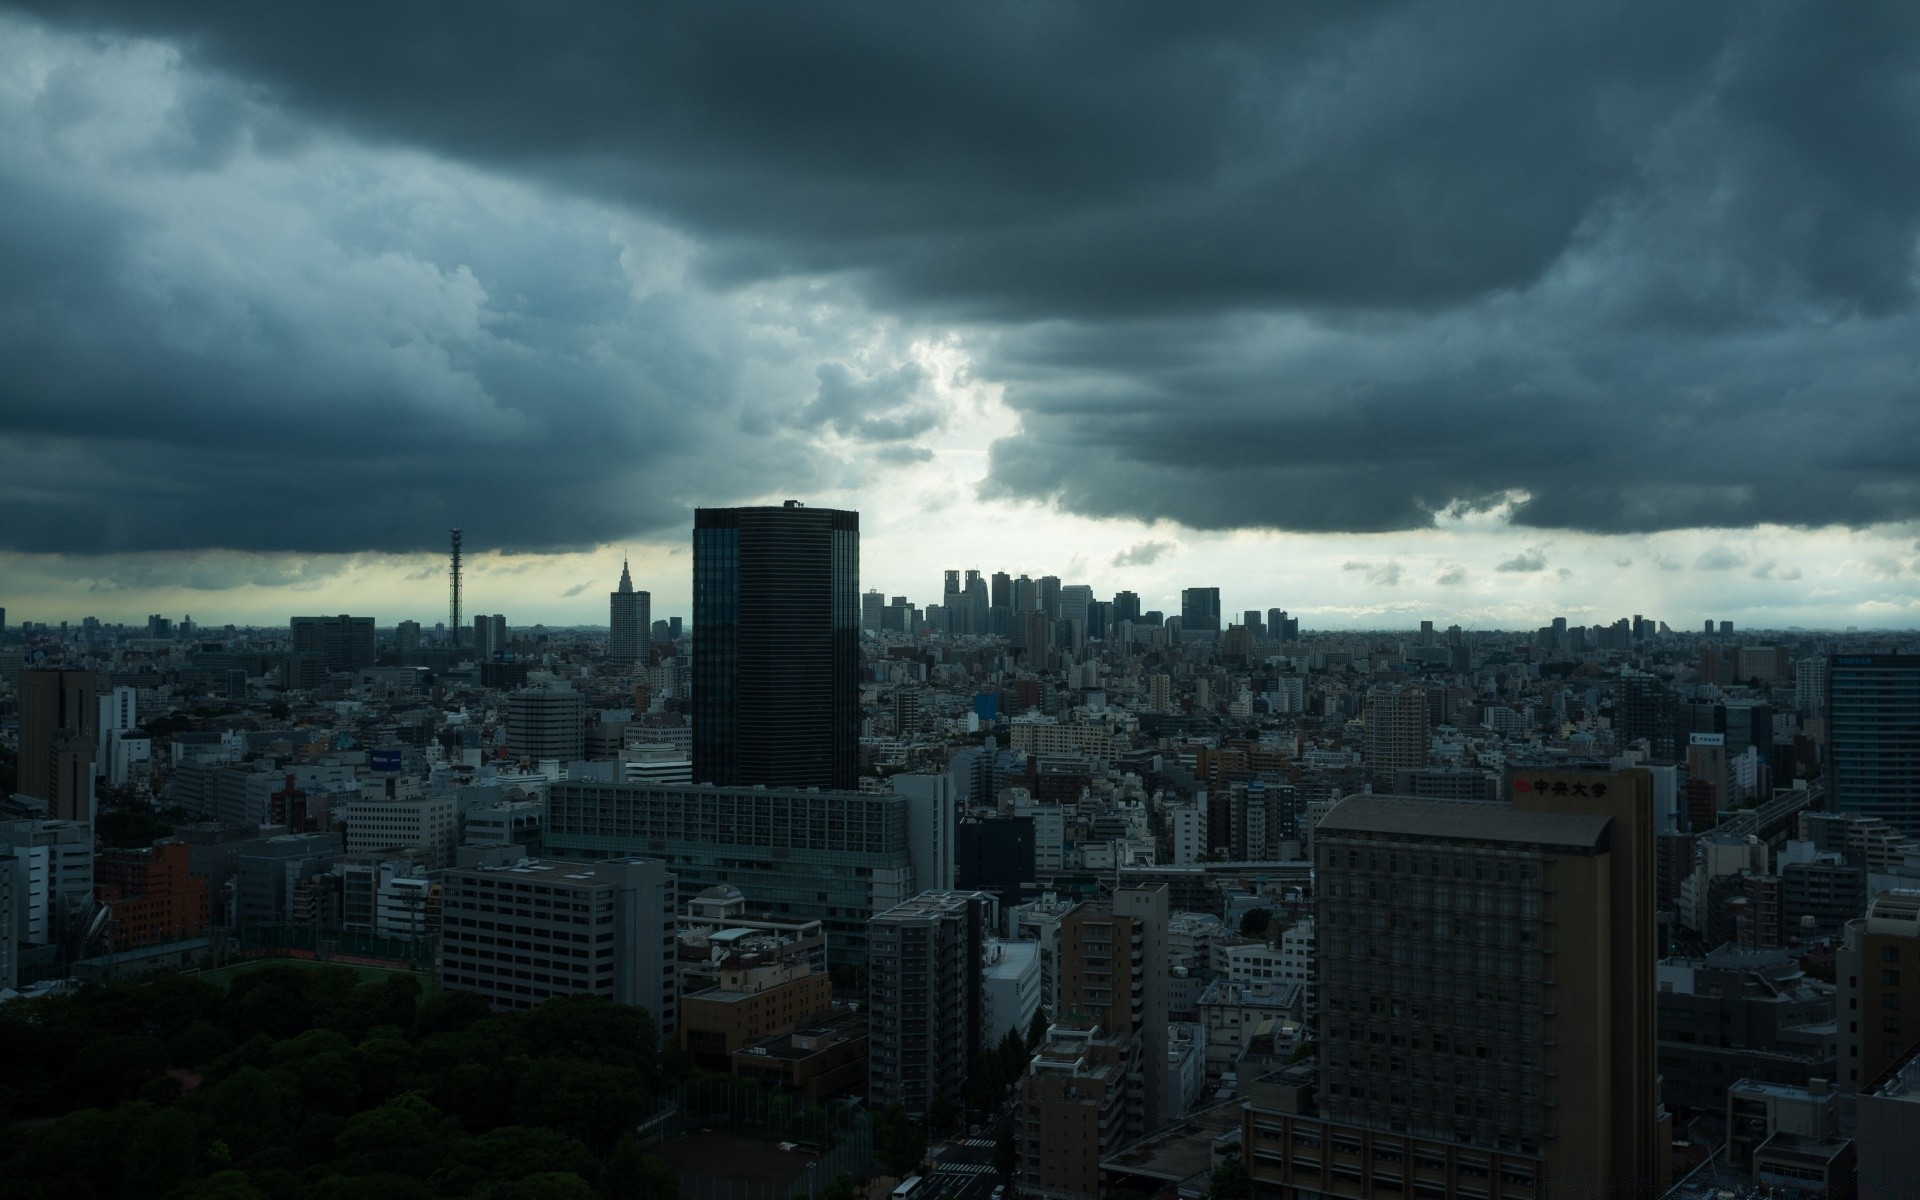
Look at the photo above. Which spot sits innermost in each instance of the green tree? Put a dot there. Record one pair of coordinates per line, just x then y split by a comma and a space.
633, 1175
1037, 1028
402, 1137
224, 1185
942, 1115
592, 1101
1013, 1057
549, 1185
163, 1152
899, 1143
1231, 1181
251, 1109
111, 1070
1255, 923
842, 1188
1005, 1152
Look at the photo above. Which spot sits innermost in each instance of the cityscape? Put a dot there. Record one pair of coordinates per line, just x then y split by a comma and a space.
1012, 887
990, 601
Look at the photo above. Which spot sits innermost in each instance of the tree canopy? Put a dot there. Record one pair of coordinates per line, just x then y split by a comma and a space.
307, 1084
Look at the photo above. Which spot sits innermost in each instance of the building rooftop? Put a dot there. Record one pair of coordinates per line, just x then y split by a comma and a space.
1900, 1081
1180, 1152
1466, 820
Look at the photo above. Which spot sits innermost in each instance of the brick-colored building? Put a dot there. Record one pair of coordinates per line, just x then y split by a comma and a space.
755, 998
151, 895
819, 1061
1074, 1105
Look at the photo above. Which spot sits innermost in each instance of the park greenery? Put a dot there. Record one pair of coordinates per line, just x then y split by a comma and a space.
307, 1084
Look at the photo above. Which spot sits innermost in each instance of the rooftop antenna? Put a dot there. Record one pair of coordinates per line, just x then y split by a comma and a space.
453, 590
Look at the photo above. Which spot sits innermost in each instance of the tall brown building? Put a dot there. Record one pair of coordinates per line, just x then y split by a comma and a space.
1487, 1000
1878, 973
58, 720
1099, 1080
1398, 734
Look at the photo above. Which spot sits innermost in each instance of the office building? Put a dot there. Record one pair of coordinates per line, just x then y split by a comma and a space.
925, 1015
1099, 1080
425, 823
1877, 976
339, 643
151, 895
11, 899
1076, 1108
931, 813
1199, 612
776, 647
1112, 966
58, 719
52, 876
269, 873
1398, 737
518, 934
1886, 1114
757, 995
835, 857
1740, 1015
1873, 737
1047, 596
547, 723
1487, 994
629, 621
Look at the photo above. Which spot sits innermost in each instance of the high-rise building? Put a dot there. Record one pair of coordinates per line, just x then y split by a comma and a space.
1873, 737
1398, 736
339, 643
58, 730
1047, 596
547, 722
872, 607
776, 646
1877, 973
836, 857
926, 959
52, 876
629, 621
1001, 595
1199, 612
1487, 1000
1026, 596
1075, 601
406, 637
514, 934
1126, 607
1099, 1081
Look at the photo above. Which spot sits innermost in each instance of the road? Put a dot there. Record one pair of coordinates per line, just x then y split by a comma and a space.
963, 1169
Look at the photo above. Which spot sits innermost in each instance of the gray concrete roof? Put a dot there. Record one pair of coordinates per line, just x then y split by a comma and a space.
1464, 819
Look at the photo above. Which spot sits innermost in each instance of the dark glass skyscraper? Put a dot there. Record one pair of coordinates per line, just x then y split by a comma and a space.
776, 646
1199, 611
1873, 732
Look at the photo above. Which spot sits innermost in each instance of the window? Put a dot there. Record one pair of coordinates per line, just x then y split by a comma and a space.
1889, 954
1889, 979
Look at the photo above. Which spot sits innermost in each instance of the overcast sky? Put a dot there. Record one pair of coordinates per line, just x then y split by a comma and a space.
1376, 312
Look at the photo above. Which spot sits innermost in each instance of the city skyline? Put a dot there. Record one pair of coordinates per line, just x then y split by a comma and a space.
1387, 589
356, 324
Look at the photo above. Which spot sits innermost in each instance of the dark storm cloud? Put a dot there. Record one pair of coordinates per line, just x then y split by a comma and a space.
1323, 267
